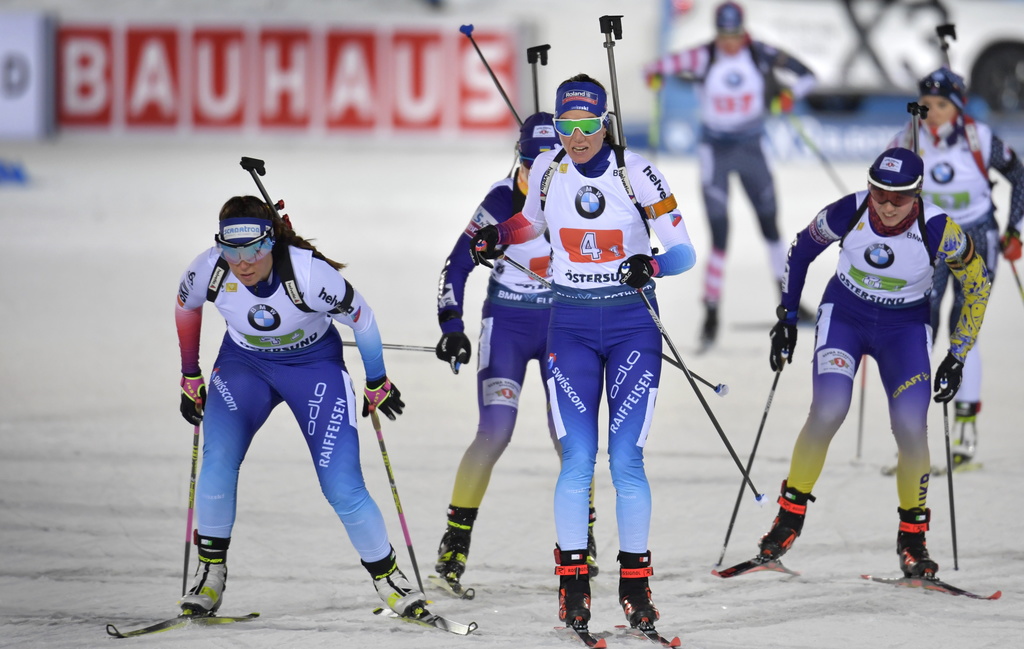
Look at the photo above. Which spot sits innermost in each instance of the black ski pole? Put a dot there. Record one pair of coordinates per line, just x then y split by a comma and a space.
949, 480
758, 496
612, 26
750, 463
534, 55
468, 31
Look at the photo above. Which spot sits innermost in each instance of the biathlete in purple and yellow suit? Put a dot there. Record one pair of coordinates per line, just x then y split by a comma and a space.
513, 332
597, 202
877, 304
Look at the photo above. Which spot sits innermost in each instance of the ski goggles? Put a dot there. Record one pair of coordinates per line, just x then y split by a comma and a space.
898, 199
251, 252
587, 126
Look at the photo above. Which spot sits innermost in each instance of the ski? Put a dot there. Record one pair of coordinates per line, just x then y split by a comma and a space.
932, 584
179, 622
754, 565
453, 588
963, 467
584, 635
648, 632
428, 619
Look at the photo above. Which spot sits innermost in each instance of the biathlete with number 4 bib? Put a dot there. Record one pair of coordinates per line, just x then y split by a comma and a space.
599, 202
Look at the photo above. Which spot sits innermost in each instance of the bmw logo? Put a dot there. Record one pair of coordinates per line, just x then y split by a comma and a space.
264, 318
589, 202
879, 255
733, 79
942, 173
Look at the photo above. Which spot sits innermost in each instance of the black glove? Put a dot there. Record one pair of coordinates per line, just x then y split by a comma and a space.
193, 398
637, 270
783, 343
384, 396
454, 348
484, 246
948, 378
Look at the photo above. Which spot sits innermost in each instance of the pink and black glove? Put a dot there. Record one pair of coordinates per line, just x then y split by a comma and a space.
383, 396
193, 398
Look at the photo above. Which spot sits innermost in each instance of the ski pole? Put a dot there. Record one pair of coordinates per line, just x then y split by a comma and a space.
1016, 277
721, 389
191, 508
750, 463
534, 55
394, 492
612, 26
758, 496
404, 348
863, 392
468, 31
949, 480
829, 169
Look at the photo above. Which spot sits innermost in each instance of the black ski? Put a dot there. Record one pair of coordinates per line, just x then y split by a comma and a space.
757, 564
453, 588
428, 619
932, 584
584, 635
648, 632
179, 622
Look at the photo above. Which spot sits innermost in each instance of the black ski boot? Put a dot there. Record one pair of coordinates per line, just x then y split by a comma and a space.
573, 587
635, 590
592, 544
453, 551
911, 546
967, 421
709, 330
787, 525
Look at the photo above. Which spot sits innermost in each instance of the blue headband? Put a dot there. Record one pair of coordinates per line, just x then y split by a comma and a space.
243, 229
580, 95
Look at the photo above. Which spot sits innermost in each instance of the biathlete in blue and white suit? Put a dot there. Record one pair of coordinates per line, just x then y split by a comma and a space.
877, 304
597, 202
513, 332
280, 298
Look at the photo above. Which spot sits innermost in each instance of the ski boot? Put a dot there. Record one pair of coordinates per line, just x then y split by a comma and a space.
592, 544
205, 595
573, 587
911, 546
453, 551
787, 526
394, 588
709, 330
966, 419
635, 590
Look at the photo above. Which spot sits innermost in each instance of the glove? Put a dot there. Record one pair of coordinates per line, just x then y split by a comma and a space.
484, 246
454, 348
948, 378
193, 398
783, 343
652, 75
782, 102
384, 398
1010, 244
637, 270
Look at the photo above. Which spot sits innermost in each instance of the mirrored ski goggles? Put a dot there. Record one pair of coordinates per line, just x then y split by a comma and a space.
250, 252
587, 126
898, 199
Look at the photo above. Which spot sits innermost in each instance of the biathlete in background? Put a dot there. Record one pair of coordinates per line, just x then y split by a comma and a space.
601, 337
736, 88
278, 351
513, 332
876, 304
958, 153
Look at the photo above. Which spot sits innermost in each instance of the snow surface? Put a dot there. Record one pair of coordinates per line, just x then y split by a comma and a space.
95, 465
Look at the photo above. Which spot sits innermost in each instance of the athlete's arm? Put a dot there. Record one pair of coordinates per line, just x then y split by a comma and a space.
956, 249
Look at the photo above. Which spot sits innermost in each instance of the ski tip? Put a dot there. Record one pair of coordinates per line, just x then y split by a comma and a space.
113, 632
